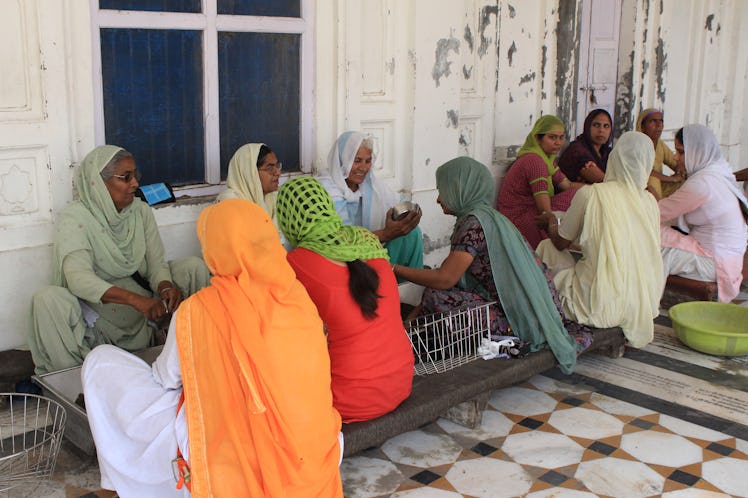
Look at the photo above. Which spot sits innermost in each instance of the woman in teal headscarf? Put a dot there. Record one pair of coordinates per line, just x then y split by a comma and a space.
110, 278
490, 261
534, 184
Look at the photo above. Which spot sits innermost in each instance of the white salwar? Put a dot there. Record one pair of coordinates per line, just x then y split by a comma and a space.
132, 411
619, 280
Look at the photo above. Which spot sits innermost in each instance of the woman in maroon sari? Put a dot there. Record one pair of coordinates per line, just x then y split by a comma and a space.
586, 158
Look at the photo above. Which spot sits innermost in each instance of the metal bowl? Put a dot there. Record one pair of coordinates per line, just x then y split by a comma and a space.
401, 209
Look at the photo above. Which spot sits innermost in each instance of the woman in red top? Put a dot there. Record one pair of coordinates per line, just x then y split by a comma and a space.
534, 184
346, 273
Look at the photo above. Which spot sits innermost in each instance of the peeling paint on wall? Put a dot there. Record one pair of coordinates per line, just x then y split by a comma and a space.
485, 21
511, 99
661, 60
453, 118
468, 37
543, 62
441, 55
512, 12
625, 99
465, 138
568, 33
510, 53
467, 71
527, 78
430, 244
390, 66
709, 20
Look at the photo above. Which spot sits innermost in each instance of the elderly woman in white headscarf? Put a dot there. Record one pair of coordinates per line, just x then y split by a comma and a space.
111, 282
712, 209
361, 199
619, 280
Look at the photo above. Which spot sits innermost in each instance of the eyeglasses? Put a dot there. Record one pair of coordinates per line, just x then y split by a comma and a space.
271, 167
127, 177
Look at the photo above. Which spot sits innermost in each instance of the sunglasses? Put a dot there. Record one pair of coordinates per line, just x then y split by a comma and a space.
127, 177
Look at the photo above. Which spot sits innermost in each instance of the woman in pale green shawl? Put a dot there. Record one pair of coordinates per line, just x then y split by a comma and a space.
110, 278
490, 261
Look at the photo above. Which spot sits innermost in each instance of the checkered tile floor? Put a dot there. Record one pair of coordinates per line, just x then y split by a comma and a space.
554, 439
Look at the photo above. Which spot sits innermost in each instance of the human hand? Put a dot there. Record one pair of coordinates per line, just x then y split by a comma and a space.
545, 220
152, 308
589, 164
172, 296
397, 228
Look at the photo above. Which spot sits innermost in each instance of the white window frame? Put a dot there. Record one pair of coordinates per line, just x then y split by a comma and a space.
211, 23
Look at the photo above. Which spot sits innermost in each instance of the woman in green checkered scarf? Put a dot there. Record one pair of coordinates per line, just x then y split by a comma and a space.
347, 274
307, 218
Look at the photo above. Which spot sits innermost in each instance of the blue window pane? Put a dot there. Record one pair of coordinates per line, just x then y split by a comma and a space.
152, 5
259, 94
276, 8
153, 101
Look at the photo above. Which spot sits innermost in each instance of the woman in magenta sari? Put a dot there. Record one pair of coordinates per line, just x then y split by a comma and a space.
534, 184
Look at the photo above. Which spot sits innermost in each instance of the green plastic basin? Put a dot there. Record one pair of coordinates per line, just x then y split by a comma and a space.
714, 328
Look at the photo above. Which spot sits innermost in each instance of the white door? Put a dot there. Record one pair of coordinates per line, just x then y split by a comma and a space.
598, 57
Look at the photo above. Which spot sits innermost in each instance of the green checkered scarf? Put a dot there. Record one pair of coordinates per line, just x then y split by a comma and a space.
307, 218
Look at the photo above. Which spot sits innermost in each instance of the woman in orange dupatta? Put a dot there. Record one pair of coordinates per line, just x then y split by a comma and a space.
251, 355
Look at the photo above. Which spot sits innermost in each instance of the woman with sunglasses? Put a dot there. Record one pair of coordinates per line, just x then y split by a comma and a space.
111, 282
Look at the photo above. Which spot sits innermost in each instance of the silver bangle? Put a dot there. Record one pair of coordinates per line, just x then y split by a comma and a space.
165, 289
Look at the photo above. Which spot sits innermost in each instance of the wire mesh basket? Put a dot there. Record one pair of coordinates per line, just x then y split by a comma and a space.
443, 341
31, 429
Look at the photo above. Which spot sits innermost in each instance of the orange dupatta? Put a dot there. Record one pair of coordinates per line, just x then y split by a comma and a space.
255, 368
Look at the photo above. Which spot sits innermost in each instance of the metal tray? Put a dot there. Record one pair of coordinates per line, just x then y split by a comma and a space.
64, 386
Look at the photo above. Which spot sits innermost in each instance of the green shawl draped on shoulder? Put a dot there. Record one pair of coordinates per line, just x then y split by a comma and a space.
467, 188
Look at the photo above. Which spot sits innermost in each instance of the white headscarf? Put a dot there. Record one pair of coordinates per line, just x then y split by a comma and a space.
243, 180
704, 157
377, 197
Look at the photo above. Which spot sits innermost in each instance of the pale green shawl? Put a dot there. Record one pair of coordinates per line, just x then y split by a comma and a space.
92, 223
545, 124
243, 180
467, 188
307, 218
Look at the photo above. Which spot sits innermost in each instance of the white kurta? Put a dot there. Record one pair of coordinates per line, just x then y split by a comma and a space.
132, 411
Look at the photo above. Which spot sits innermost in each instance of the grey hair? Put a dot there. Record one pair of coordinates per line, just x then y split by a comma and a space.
107, 172
368, 143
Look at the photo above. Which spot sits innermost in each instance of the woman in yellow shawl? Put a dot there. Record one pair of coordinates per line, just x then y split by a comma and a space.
616, 223
111, 282
650, 123
249, 356
534, 184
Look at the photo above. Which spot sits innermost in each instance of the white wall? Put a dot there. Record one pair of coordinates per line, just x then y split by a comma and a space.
433, 79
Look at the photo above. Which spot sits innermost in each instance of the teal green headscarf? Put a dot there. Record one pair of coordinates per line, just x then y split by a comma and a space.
307, 218
545, 124
467, 188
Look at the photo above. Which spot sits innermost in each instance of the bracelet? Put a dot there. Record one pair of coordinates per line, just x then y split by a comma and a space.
165, 289
393, 268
